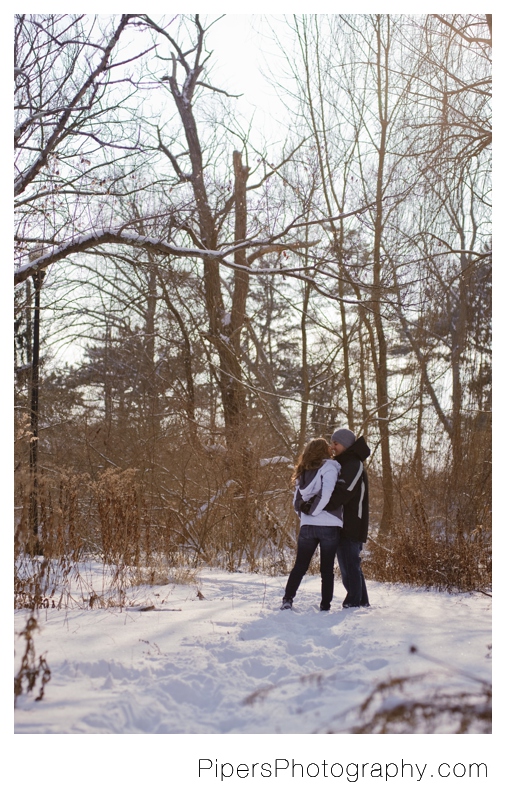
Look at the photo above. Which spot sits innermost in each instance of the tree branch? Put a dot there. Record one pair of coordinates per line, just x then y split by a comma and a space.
29, 174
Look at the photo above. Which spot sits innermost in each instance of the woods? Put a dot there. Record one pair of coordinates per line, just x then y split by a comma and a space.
196, 297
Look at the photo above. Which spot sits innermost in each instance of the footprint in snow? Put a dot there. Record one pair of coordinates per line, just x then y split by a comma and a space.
108, 683
376, 663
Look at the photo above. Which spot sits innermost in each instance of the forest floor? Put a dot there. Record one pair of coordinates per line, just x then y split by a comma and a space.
218, 656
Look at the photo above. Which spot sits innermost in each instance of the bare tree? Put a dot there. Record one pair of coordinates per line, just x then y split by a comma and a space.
212, 217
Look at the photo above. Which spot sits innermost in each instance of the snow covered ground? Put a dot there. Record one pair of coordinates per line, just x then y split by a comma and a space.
219, 657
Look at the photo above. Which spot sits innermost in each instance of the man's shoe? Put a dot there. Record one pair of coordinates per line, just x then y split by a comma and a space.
287, 603
324, 608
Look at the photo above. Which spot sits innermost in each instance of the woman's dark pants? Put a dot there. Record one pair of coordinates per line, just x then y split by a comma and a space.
310, 537
348, 558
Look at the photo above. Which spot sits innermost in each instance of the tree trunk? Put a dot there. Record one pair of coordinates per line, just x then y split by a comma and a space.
150, 350
382, 366
35, 546
346, 359
458, 341
187, 361
224, 331
304, 369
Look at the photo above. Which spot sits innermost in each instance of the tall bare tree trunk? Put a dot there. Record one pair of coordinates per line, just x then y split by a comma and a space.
187, 359
224, 330
376, 304
35, 546
306, 390
150, 350
458, 341
346, 358
315, 99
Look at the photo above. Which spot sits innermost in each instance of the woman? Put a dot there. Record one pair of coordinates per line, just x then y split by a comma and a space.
314, 477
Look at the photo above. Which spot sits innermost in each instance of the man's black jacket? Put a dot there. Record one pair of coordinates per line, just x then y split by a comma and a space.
352, 491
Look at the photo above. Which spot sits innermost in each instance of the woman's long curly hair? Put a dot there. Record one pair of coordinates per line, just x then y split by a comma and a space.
312, 457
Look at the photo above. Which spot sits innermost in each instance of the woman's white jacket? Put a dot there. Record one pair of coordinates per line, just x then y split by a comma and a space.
318, 485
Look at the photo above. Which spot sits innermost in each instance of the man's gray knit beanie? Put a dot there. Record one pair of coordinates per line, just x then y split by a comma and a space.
343, 436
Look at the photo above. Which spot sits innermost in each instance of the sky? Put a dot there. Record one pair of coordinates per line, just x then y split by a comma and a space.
240, 46
245, 55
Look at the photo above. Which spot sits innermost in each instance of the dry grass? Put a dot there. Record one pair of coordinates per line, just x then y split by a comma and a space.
442, 536
386, 710
405, 704
32, 671
148, 532
462, 563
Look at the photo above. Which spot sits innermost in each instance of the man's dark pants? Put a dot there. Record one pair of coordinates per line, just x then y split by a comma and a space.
310, 537
348, 558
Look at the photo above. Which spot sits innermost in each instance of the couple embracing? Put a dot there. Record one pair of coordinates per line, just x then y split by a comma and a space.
331, 498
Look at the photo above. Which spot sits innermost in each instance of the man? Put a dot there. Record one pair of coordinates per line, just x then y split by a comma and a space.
351, 491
